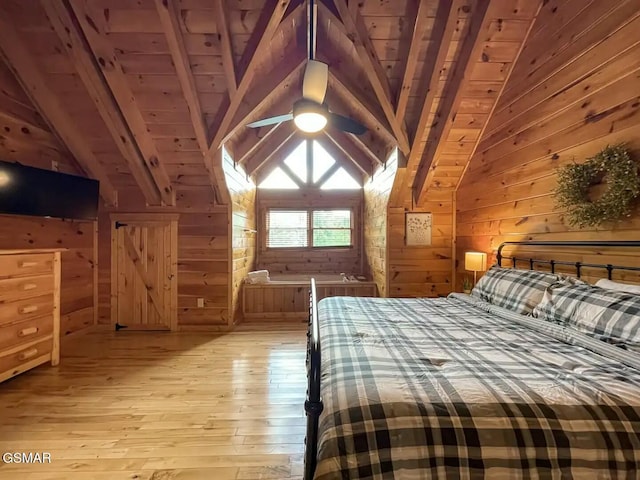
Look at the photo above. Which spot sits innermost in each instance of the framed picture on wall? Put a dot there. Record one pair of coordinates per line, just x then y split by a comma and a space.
417, 229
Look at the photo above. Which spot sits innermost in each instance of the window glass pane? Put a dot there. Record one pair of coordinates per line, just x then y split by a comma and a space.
287, 229
332, 219
278, 179
331, 238
297, 161
322, 161
340, 180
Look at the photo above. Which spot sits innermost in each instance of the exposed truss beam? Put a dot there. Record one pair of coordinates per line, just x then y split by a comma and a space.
246, 149
411, 63
357, 32
25, 69
168, 11
270, 148
92, 24
469, 54
273, 160
353, 96
225, 42
84, 62
359, 157
260, 40
446, 22
277, 84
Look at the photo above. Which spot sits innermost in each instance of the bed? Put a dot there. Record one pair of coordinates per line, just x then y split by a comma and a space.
462, 387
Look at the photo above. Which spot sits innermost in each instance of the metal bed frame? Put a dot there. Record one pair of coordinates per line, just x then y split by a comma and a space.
313, 404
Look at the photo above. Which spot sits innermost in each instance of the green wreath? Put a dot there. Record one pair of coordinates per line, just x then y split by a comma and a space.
575, 181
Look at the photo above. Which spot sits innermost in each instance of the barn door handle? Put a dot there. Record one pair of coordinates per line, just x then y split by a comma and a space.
120, 224
119, 327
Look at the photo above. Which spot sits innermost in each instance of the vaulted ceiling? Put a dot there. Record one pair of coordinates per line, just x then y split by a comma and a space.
144, 92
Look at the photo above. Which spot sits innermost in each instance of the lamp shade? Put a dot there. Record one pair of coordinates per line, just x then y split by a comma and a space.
475, 261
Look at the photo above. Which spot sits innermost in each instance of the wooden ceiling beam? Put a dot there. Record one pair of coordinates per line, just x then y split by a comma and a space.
357, 32
353, 96
82, 58
273, 160
420, 24
467, 57
277, 84
446, 22
225, 42
92, 23
246, 148
24, 67
353, 152
269, 148
260, 40
169, 11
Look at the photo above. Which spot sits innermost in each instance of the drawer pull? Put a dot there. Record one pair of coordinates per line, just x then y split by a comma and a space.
28, 354
28, 264
29, 309
25, 332
29, 286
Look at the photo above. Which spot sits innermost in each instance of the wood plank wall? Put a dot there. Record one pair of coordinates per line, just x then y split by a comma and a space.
243, 231
203, 256
307, 260
376, 200
26, 138
573, 90
417, 271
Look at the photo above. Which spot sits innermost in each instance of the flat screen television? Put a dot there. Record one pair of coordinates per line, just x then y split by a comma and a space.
44, 193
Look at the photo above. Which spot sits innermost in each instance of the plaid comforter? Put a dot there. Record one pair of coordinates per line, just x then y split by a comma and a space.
458, 389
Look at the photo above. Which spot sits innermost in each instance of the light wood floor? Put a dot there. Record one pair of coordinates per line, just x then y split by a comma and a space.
154, 406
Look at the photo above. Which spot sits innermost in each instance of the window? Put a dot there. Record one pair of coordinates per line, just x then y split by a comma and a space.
304, 228
320, 170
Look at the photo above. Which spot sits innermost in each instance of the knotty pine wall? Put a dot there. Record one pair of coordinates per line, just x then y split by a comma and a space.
203, 253
243, 231
574, 89
421, 271
339, 260
26, 138
376, 200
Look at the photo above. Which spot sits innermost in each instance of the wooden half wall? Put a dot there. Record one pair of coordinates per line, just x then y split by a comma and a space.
27, 139
574, 90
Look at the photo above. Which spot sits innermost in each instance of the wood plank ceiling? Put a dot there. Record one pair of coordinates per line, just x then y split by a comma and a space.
144, 92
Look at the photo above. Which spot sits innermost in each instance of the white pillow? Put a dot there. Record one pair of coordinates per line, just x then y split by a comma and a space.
620, 287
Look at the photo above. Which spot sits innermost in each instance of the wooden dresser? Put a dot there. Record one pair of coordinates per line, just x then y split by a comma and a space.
29, 310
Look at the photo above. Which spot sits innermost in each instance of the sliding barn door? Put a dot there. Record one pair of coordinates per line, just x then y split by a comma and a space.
144, 272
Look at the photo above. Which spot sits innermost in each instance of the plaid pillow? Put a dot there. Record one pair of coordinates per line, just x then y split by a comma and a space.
613, 317
517, 290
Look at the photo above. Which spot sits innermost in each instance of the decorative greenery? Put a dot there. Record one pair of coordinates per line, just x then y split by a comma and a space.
466, 284
623, 185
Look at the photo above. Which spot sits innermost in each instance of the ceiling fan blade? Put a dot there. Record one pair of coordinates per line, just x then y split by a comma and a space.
316, 78
346, 124
271, 120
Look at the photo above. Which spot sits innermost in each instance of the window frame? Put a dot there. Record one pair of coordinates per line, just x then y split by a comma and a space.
310, 211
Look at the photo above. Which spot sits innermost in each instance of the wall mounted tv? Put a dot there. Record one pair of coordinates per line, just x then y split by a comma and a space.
44, 193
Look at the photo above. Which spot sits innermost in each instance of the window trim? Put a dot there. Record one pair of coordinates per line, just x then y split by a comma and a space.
310, 229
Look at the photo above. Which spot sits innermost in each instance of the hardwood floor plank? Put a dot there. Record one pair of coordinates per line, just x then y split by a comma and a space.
157, 406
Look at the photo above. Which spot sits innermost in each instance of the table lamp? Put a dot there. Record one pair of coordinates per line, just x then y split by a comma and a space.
475, 262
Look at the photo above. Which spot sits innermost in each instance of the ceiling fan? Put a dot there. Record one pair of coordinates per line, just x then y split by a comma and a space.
310, 113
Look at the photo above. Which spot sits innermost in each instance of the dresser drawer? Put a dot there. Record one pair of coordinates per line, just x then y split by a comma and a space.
24, 332
25, 287
25, 264
25, 355
19, 310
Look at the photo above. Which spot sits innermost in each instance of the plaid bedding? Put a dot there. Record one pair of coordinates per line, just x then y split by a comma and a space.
518, 290
456, 388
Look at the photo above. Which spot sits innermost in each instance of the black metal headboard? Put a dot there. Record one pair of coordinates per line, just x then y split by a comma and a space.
577, 265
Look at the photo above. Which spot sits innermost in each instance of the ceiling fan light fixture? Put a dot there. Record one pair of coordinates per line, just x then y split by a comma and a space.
310, 117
